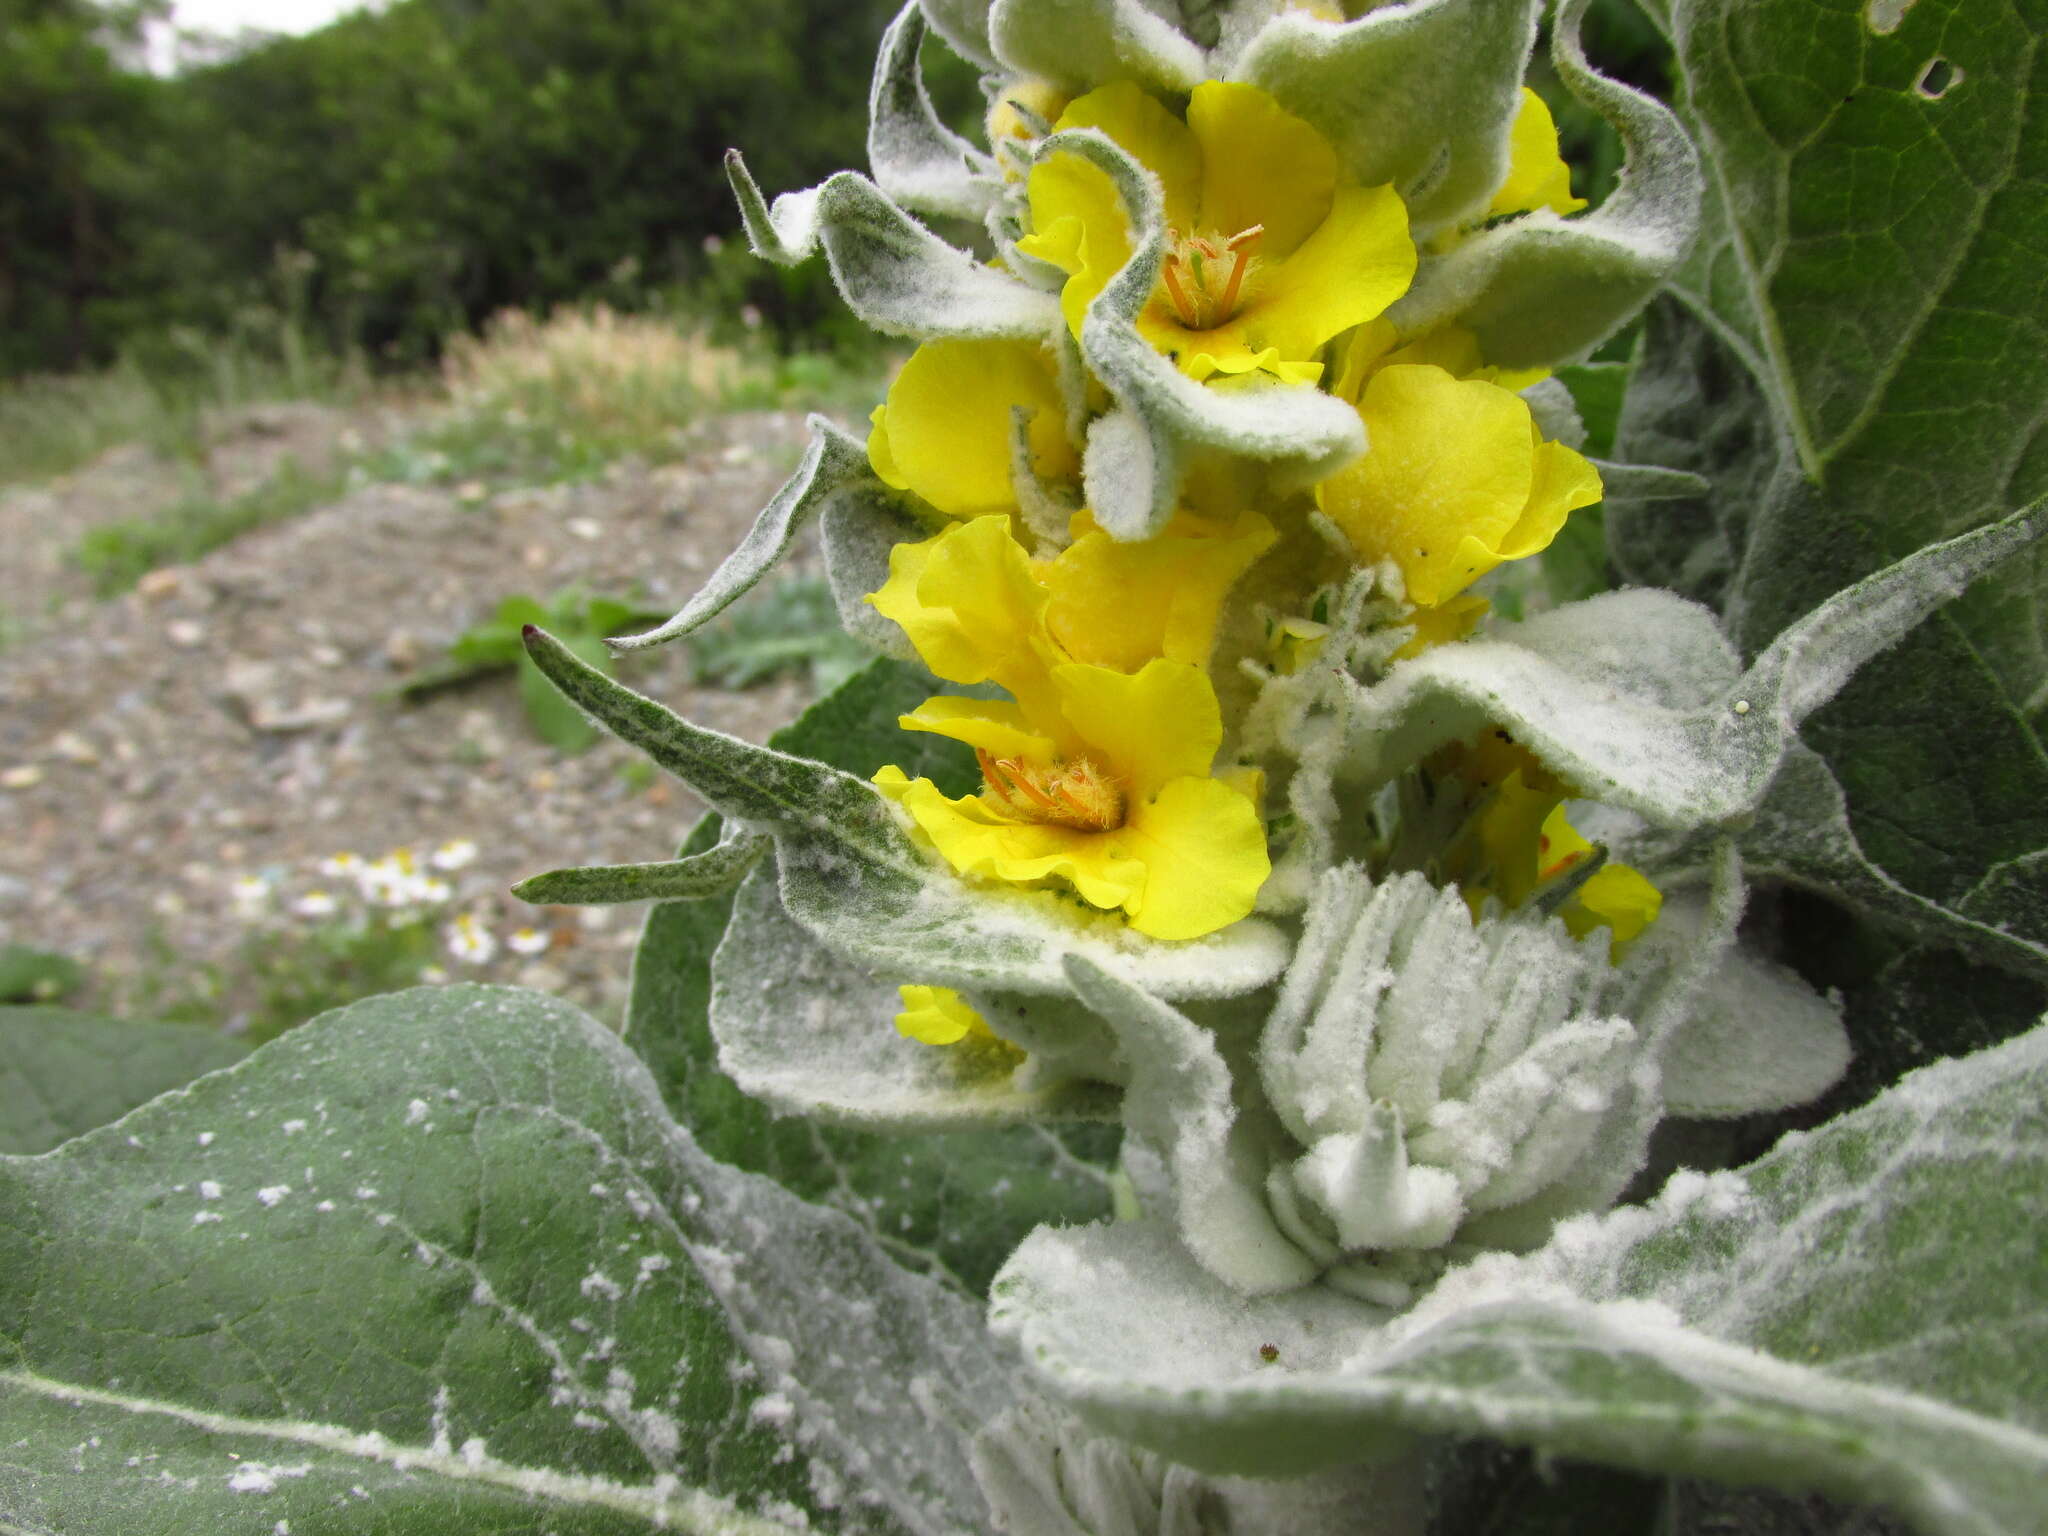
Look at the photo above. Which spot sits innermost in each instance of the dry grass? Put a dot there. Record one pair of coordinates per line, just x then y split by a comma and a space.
621, 383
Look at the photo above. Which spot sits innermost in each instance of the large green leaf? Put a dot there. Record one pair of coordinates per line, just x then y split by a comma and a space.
64, 1073
1872, 262
957, 1203
1859, 1312
442, 1262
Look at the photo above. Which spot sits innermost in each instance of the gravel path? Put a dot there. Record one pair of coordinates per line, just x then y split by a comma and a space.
234, 718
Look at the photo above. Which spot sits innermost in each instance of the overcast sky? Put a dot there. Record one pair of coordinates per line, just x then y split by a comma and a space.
233, 15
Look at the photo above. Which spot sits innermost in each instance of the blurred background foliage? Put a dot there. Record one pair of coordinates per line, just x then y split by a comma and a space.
376, 187
394, 178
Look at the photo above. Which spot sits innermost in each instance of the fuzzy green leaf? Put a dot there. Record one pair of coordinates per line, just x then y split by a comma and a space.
441, 1261
834, 470
918, 160
1633, 696
1540, 289
933, 1199
1857, 1312
64, 1073
1871, 260
1080, 44
895, 274
710, 873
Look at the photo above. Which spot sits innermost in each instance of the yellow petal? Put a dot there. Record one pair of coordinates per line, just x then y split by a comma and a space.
1149, 134
1446, 474
994, 725
978, 841
1564, 481
937, 1016
1204, 853
1558, 846
1448, 621
1260, 164
1511, 830
1537, 175
945, 429
1356, 263
880, 459
1078, 225
1616, 897
1120, 604
1006, 117
1147, 727
1361, 354
968, 602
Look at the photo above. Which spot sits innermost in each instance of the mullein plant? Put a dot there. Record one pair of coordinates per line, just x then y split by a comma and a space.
1191, 489
1224, 1012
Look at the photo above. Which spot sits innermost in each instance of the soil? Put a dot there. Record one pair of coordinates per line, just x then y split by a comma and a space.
236, 717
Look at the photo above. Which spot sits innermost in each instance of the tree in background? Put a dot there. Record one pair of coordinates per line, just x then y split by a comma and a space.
69, 111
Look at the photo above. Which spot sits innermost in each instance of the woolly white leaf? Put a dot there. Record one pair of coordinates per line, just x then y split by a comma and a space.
1419, 95
859, 532
1046, 1474
895, 274
834, 469
1540, 289
1179, 1102
1757, 1038
964, 26
1133, 475
918, 160
1631, 696
710, 873
801, 1028
1080, 44
1853, 1313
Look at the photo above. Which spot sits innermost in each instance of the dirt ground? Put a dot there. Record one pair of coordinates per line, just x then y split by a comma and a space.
235, 717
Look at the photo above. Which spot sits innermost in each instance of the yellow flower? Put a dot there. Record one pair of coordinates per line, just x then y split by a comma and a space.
1093, 777
1614, 896
1271, 255
1537, 174
1519, 841
1454, 349
938, 1016
1120, 603
945, 429
1456, 479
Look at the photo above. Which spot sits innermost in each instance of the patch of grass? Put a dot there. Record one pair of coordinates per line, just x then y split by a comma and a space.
542, 402
117, 555
159, 395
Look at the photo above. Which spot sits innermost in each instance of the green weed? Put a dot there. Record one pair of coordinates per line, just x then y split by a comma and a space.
116, 555
791, 625
579, 620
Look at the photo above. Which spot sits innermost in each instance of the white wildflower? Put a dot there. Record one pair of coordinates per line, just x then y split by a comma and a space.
527, 941
470, 941
316, 904
251, 896
394, 880
456, 853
